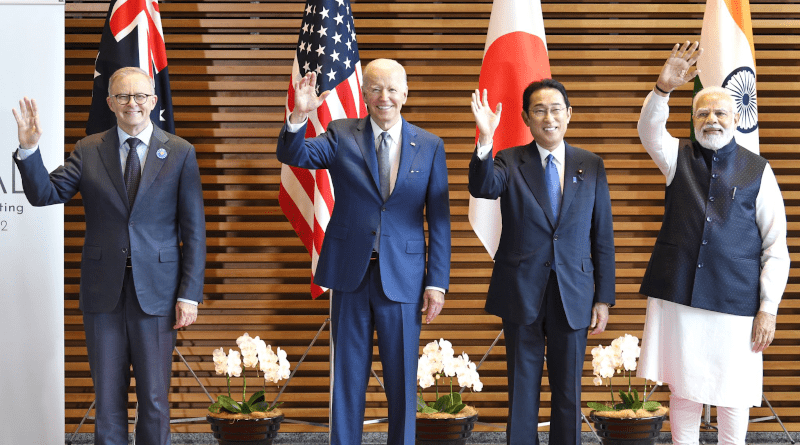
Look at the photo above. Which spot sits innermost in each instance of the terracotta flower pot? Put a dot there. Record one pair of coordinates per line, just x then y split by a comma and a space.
634, 431
254, 431
450, 431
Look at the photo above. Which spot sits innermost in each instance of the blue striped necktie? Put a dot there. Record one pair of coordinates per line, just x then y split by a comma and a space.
553, 185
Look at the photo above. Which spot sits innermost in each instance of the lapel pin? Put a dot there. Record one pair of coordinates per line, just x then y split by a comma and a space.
574, 180
580, 175
413, 144
161, 153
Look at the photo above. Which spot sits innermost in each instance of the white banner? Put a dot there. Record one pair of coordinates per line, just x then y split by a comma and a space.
31, 239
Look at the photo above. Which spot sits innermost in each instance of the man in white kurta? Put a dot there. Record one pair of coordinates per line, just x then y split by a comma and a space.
709, 356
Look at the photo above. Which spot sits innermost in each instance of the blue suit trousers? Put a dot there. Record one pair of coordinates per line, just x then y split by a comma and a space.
116, 340
354, 317
525, 355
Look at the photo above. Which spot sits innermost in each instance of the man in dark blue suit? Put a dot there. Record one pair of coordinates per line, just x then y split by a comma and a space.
554, 268
143, 261
389, 176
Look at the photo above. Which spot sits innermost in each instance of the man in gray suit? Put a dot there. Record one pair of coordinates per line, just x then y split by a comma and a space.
144, 252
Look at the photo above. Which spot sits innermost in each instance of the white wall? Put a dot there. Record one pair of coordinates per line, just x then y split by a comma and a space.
31, 239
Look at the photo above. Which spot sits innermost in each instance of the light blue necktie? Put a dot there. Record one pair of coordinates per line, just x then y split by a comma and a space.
553, 185
384, 176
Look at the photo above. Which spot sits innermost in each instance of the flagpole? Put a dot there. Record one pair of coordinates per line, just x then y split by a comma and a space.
331, 367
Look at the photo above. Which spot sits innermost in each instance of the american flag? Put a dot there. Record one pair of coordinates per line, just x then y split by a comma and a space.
327, 45
132, 36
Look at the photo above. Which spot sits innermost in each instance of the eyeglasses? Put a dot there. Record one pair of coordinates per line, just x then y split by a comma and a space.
702, 114
542, 112
124, 99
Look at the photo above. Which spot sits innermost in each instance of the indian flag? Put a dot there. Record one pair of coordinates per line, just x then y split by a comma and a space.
728, 61
514, 56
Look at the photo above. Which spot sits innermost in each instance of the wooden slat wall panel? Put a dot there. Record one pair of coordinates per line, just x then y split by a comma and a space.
230, 62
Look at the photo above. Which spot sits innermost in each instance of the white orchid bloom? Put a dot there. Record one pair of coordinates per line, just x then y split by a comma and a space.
234, 364
426, 381
431, 347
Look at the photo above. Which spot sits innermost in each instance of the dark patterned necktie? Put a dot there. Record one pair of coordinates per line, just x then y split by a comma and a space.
553, 185
133, 170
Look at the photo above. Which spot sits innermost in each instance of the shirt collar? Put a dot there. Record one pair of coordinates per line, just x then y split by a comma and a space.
559, 153
143, 136
394, 131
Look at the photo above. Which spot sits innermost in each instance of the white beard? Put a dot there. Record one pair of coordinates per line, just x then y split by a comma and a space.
716, 141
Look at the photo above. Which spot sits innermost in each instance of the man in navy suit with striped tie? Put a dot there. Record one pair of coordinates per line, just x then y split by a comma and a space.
389, 177
554, 269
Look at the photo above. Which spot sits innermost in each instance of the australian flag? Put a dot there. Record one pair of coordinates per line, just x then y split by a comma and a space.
132, 36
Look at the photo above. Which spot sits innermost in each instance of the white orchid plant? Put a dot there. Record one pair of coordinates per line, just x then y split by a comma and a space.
255, 353
619, 358
438, 361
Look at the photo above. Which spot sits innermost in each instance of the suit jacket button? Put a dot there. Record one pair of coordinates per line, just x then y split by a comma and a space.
547, 264
373, 232
555, 237
124, 250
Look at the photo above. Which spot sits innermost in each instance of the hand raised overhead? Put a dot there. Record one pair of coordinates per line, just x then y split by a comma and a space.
486, 120
305, 97
676, 70
28, 128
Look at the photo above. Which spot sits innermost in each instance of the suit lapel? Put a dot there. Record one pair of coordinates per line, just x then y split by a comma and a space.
407, 153
366, 143
532, 171
109, 155
571, 176
153, 163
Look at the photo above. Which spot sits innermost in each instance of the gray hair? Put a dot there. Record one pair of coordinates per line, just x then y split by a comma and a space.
128, 71
713, 90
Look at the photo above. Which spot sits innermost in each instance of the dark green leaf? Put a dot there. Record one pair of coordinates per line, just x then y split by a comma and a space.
256, 398
429, 410
245, 408
455, 409
626, 399
229, 404
261, 406
651, 405
420, 404
599, 407
635, 396
636, 406
620, 406
442, 404
456, 398
214, 408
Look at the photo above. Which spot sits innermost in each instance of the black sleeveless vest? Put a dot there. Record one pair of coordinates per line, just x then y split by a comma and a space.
708, 252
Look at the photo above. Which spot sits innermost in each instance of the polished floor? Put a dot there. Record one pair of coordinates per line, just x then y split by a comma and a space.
477, 438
